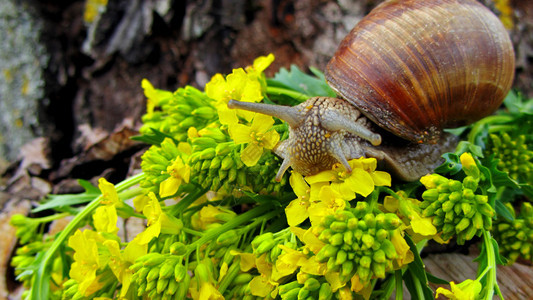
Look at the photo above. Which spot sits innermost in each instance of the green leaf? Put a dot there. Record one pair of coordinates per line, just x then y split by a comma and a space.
451, 165
500, 260
516, 103
434, 279
155, 138
418, 272
308, 85
503, 211
55, 201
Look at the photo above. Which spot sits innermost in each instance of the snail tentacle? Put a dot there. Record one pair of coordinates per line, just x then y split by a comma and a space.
289, 114
334, 121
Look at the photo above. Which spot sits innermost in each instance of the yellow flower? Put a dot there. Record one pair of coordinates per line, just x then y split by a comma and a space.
119, 262
155, 97
86, 262
409, 209
466, 290
260, 286
109, 193
361, 180
158, 221
330, 202
296, 211
237, 86
405, 256
105, 219
178, 172
258, 136
287, 263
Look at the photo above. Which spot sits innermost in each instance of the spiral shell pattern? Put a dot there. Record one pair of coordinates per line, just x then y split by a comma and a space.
416, 67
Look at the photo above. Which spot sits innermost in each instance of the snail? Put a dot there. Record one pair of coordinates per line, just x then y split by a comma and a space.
405, 72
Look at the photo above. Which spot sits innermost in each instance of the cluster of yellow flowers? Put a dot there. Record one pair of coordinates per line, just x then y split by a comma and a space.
218, 226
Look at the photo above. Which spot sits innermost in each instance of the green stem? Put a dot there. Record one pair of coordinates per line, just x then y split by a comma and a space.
286, 92
240, 219
478, 127
41, 284
50, 218
491, 265
399, 286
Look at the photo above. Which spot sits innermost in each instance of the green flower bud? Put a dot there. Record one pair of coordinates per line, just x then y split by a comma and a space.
208, 153
291, 295
325, 292
227, 163
265, 246
202, 143
152, 259
337, 239
167, 269
188, 123
379, 270
338, 226
470, 183
224, 149
368, 240
462, 225
161, 285
172, 287
153, 274
143, 272
242, 278
178, 248
261, 238
312, 284
430, 195
227, 238
341, 257
348, 237
180, 272
283, 289
364, 273
204, 112
303, 294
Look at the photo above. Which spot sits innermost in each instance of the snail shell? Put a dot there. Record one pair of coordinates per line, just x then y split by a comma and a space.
416, 67
411, 67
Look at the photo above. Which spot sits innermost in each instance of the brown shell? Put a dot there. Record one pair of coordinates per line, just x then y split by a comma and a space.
416, 67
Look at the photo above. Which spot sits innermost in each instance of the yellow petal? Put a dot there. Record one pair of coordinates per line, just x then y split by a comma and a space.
216, 88
105, 219
109, 193
381, 178
298, 184
251, 91
169, 187
261, 123
360, 182
251, 154
391, 204
227, 116
240, 134
423, 226
296, 212
323, 176
270, 139
260, 286
262, 62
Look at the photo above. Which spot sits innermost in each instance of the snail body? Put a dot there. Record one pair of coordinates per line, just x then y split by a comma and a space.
410, 67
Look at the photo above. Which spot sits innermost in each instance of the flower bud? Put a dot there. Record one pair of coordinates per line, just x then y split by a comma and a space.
152, 259
161, 285
179, 272
167, 269
204, 112
153, 274
325, 292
